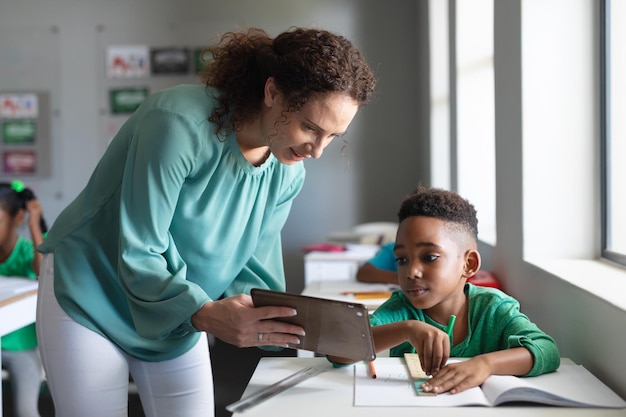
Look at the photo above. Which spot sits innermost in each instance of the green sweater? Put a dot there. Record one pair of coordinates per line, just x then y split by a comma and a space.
495, 323
20, 264
172, 217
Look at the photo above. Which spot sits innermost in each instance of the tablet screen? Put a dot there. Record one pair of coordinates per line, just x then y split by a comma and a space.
332, 327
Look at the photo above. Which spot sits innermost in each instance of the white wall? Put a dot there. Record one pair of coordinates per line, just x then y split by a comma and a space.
588, 329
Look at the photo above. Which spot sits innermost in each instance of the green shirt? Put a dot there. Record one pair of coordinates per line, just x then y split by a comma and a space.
20, 264
495, 323
172, 217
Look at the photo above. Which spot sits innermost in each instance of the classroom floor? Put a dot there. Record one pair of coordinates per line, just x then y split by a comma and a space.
230, 380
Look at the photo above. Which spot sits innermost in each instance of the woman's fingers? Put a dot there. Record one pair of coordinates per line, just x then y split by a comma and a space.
235, 320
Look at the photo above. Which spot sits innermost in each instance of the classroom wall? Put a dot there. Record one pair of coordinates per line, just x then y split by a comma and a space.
387, 151
59, 45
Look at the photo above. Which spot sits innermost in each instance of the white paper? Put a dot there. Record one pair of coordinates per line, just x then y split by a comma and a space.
392, 387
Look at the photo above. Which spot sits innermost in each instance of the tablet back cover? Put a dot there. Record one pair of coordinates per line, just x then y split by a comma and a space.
332, 327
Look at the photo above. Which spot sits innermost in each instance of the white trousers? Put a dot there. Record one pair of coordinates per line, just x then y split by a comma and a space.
88, 375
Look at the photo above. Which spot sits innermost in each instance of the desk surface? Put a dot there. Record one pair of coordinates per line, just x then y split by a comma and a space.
6, 299
15, 288
18, 299
341, 290
331, 394
18, 304
355, 252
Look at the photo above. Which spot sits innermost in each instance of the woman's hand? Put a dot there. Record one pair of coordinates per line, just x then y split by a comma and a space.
235, 320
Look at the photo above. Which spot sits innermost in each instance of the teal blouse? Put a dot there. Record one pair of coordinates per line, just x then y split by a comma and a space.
495, 323
172, 217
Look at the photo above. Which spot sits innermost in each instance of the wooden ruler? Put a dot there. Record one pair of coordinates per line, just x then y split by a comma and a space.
417, 374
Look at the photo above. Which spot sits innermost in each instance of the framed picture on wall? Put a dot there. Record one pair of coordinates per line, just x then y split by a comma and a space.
169, 61
126, 100
19, 162
18, 131
19, 106
127, 61
198, 55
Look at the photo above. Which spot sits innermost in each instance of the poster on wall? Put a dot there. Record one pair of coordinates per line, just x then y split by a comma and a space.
127, 61
199, 57
126, 100
19, 162
18, 131
169, 61
19, 106
24, 133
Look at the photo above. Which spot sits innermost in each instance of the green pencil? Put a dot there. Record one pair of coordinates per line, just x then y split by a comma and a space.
451, 326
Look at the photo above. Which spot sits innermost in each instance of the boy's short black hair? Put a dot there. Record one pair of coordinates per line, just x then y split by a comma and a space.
441, 204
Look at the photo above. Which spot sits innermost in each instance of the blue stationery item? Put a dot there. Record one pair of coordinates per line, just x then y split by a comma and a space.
417, 374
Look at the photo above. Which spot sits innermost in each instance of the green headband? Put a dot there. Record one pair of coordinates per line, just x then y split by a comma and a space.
18, 186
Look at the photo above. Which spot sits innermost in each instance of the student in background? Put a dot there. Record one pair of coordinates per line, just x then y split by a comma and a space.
439, 315
182, 217
381, 268
18, 258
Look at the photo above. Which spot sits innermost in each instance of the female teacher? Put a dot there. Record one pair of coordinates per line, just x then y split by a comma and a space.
182, 217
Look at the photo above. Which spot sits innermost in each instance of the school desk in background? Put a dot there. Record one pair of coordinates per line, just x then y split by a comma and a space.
335, 262
18, 303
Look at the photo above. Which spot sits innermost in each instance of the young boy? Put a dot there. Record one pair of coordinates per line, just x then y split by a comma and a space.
436, 251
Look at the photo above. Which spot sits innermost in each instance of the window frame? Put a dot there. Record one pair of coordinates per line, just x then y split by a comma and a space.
605, 134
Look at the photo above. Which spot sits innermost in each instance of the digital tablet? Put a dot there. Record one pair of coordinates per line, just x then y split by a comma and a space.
332, 327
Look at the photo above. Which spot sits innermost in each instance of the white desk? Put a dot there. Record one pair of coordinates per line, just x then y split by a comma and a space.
343, 265
17, 309
343, 291
331, 394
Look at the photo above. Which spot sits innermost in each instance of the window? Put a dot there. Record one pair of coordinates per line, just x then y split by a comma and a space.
560, 130
613, 131
439, 37
475, 117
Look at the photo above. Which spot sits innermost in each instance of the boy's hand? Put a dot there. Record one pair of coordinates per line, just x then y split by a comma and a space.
459, 376
431, 344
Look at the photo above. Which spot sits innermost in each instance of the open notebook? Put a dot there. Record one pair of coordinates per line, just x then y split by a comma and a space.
569, 386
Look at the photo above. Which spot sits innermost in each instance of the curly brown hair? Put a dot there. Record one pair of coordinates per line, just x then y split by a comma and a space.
441, 204
303, 62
